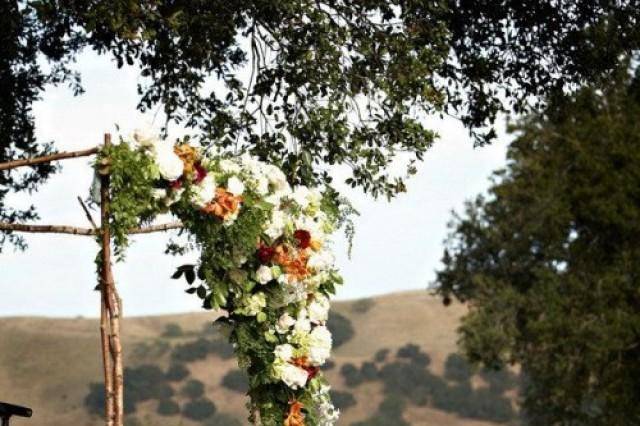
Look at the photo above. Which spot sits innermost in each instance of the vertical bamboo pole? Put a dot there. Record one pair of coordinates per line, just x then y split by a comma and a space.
111, 343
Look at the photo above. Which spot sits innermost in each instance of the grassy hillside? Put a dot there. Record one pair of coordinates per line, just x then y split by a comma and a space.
396, 366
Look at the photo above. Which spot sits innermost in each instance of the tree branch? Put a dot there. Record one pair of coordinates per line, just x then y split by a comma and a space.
48, 158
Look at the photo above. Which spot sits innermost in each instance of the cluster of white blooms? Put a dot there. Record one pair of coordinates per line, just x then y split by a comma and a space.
282, 288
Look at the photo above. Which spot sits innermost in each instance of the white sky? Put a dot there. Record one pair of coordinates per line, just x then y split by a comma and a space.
398, 245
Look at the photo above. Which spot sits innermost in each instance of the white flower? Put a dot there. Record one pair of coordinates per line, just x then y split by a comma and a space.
276, 226
301, 195
235, 186
204, 192
283, 352
159, 193
302, 326
145, 137
170, 165
264, 274
328, 414
229, 166
285, 322
320, 260
262, 185
276, 178
320, 343
292, 376
319, 309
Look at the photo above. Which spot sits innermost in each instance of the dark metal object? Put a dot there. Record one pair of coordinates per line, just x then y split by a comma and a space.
8, 410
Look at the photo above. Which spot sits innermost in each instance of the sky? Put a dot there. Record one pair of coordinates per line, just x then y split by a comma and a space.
398, 244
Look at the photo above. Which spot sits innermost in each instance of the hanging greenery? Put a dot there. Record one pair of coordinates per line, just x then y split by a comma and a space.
265, 260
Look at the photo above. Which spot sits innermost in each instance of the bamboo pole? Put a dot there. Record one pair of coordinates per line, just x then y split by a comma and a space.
63, 229
105, 299
48, 158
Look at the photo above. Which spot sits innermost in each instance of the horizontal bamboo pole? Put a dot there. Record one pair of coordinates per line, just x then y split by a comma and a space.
48, 158
62, 229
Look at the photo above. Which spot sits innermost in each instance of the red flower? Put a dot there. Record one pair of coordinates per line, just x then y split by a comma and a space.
201, 173
265, 253
176, 184
303, 237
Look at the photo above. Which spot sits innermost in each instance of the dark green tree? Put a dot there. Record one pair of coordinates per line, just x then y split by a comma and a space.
549, 259
328, 82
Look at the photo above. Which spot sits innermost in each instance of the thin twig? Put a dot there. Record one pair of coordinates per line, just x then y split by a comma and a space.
87, 213
48, 158
156, 228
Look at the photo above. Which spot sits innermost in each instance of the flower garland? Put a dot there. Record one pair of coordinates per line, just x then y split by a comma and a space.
265, 260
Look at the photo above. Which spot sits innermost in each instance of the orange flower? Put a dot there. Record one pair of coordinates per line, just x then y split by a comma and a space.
294, 266
188, 155
295, 416
224, 205
303, 362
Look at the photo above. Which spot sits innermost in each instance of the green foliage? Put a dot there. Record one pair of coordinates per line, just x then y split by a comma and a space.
132, 175
549, 259
193, 389
199, 409
236, 380
172, 330
341, 328
168, 407
331, 82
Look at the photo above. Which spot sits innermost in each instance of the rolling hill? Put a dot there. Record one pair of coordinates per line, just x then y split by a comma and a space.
395, 364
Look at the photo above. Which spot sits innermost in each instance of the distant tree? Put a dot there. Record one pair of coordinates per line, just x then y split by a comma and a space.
176, 372
457, 368
199, 409
369, 371
362, 306
342, 400
351, 374
381, 355
549, 259
222, 419
168, 407
193, 389
236, 380
341, 328
331, 82
172, 330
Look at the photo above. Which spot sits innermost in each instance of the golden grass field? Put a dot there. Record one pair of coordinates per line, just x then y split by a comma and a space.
47, 364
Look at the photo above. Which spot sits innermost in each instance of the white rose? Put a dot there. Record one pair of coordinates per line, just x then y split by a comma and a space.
235, 186
319, 309
145, 137
302, 326
301, 196
204, 192
229, 166
170, 165
285, 322
264, 274
284, 352
320, 260
320, 342
276, 226
159, 193
262, 185
292, 376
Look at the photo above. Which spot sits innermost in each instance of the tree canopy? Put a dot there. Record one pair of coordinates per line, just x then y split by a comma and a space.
548, 260
330, 82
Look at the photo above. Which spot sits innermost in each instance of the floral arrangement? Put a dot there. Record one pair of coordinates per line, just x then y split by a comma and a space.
265, 260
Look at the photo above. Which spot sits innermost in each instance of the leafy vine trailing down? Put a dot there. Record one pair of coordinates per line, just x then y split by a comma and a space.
265, 260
